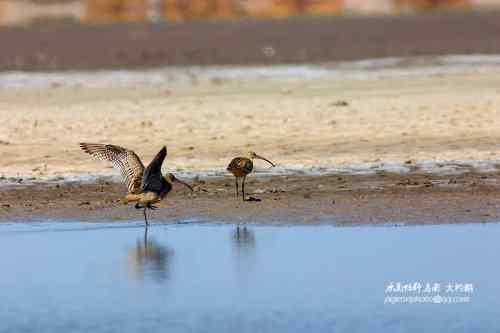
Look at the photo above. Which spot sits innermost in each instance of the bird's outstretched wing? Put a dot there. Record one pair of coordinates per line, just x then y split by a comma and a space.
152, 180
125, 160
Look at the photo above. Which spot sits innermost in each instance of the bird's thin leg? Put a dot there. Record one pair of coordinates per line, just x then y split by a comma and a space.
145, 217
237, 189
243, 187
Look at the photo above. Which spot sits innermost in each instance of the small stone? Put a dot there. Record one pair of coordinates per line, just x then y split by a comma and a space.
275, 190
216, 81
340, 103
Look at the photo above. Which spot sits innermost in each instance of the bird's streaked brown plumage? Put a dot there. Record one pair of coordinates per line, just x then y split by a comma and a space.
146, 186
125, 160
240, 167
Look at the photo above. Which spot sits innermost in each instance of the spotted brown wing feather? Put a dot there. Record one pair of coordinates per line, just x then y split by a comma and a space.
240, 166
125, 160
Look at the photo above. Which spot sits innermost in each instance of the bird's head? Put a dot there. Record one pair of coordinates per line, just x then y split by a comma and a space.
252, 155
171, 179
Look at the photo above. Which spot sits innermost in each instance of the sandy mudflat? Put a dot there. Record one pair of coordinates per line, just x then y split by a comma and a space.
394, 140
392, 145
393, 119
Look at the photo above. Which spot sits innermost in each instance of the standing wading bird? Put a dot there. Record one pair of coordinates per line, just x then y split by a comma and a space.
146, 186
240, 167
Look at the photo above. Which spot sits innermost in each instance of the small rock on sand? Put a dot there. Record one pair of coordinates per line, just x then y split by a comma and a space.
340, 103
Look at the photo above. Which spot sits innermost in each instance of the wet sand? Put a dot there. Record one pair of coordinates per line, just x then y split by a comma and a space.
382, 198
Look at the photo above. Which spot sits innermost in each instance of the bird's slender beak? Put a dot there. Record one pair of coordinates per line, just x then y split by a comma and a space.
265, 159
183, 183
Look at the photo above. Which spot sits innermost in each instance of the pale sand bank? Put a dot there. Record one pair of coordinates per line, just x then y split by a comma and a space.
392, 116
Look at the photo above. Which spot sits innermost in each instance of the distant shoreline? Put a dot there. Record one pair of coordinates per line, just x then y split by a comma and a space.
189, 75
249, 42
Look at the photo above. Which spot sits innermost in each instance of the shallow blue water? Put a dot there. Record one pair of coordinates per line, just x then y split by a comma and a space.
83, 277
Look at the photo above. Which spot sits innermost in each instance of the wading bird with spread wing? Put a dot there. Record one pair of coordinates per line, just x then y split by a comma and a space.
146, 186
240, 167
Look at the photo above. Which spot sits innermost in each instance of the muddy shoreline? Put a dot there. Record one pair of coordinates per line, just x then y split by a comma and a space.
331, 199
298, 40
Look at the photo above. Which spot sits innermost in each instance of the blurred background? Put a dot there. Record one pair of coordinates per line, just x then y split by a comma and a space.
55, 35
16, 12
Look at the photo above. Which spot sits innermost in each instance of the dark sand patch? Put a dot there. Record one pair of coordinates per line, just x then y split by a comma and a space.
332, 199
299, 40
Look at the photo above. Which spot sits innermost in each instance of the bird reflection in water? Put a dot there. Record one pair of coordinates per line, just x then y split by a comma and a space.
150, 259
244, 248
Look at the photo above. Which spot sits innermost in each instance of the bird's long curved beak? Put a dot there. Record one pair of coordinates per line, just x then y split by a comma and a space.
185, 184
265, 159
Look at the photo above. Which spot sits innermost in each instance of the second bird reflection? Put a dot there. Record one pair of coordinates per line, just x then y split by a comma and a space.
244, 249
150, 259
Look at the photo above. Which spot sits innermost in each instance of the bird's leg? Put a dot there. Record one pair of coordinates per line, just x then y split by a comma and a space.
145, 238
243, 187
150, 206
145, 217
237, 189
